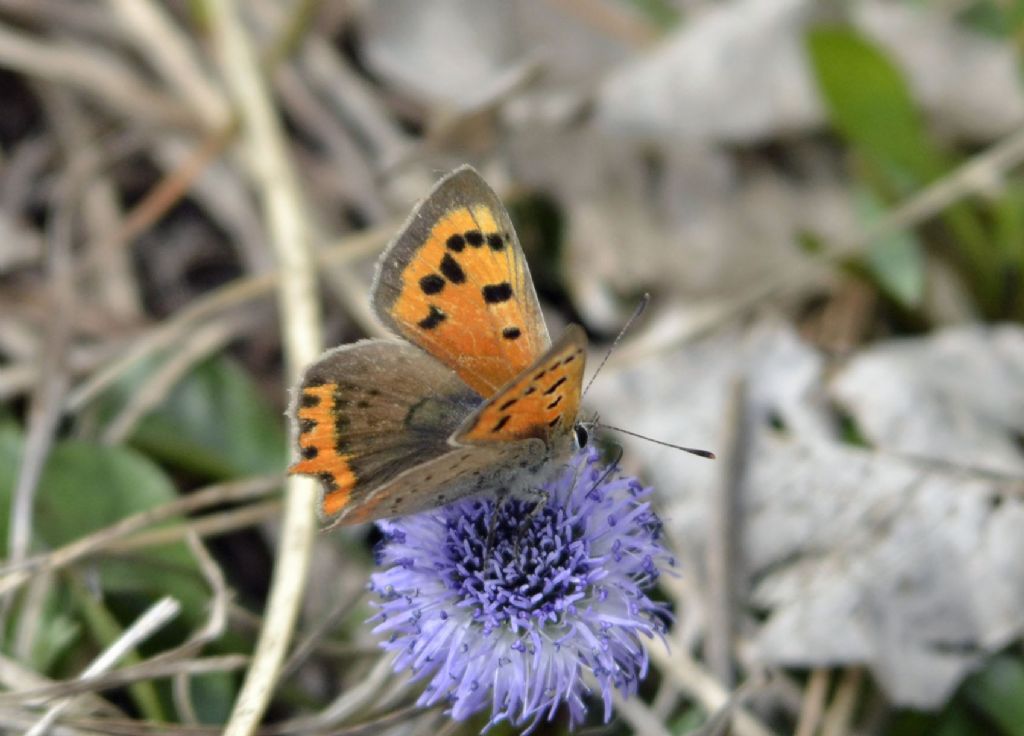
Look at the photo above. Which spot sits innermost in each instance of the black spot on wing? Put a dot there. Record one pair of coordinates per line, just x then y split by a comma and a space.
556, 402
432, 283
496, 241
511, 333
501, 423
456, 243
554, 386
497, 293
309, 400
474, 237
508, 404
433, 319
452, 270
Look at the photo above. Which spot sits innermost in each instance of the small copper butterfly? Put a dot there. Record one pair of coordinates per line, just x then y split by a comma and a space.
475, 398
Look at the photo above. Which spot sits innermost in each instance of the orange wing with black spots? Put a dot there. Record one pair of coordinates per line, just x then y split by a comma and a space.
455, 282
541, 402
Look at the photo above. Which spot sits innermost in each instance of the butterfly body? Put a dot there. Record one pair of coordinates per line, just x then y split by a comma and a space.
476, 400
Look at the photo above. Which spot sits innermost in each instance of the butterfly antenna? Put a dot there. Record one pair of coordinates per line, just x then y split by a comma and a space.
699, 453
618, 338
612, 467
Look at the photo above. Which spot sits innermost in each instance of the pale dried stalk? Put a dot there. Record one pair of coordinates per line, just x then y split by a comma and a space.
141, 629
15, 575
723, 553
211, 525
155, 35
202, 343
840, 710
297, 300
641, 719
813, 704
693, 679
98, 74
45, 409
148, 670
233, 294
354, 699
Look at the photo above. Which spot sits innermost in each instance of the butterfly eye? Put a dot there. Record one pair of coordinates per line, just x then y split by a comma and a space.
582, 436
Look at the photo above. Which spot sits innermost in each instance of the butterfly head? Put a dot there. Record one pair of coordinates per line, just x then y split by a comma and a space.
581, 434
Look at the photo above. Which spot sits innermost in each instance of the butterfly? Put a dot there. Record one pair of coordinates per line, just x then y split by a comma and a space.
474, 398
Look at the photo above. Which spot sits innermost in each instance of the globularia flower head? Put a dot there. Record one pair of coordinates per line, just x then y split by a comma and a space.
514, 612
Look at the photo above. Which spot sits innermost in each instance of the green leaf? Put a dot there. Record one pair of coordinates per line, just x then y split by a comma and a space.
998, 690
215, 423
869, 103
213, 696
58, 630
85, 487
955, 721
896, 260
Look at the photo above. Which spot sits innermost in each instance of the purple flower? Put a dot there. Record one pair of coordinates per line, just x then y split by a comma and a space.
512, 613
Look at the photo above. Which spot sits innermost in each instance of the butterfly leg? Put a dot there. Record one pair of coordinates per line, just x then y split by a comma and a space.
499, 504
542, 497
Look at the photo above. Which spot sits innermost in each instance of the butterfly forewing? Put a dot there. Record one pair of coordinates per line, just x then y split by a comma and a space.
456, 283
541, 402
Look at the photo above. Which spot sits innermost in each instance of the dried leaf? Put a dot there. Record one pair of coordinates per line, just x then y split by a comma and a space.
956, 396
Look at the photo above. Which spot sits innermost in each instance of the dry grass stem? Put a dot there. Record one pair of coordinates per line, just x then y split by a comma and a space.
13, 576
839, 715
148, 670
155, 617
297, 301
640, 718
813, 703
232, 295
45, 412
210, 525
723, 542
197, 346
691, 678
97, 74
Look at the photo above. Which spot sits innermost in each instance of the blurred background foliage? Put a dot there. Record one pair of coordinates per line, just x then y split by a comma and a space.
869, 152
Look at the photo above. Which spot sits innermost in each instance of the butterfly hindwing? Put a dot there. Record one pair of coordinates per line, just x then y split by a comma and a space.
455, 282
540, 402
459, 472
364, 413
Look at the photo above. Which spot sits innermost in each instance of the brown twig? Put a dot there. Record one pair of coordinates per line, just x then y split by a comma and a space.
722, 552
